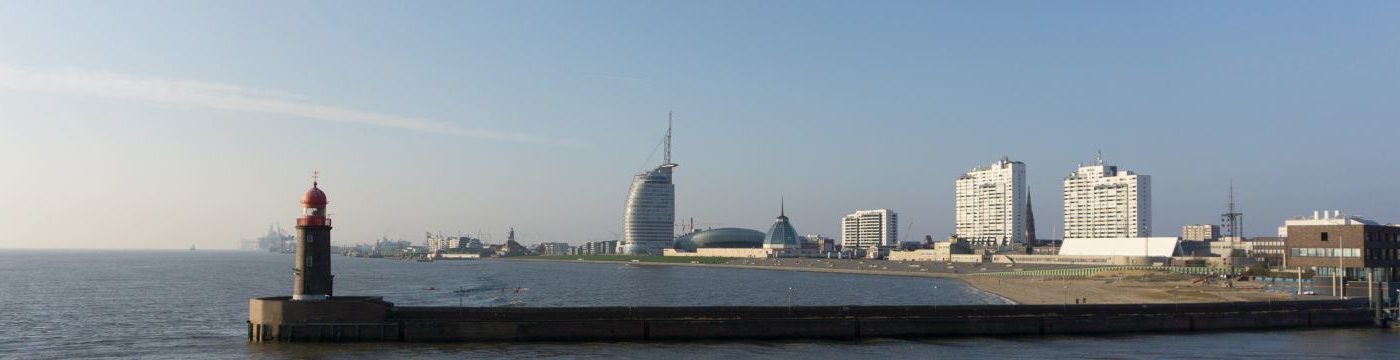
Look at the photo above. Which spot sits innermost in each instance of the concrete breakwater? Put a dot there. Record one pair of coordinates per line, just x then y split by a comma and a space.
372, 319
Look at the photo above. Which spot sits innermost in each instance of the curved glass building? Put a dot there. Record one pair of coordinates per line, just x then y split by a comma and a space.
723, 238
648, 223
782, 235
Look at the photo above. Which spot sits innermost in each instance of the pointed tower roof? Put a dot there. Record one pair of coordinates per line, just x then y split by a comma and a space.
782, 235
1030, 220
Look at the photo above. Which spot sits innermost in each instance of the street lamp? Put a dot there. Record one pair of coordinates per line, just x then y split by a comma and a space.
935, 297
1341, 272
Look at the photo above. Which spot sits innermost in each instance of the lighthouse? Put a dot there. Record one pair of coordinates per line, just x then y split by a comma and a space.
312, 274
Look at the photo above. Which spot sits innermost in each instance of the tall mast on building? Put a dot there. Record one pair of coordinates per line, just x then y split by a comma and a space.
1233, 220
668, 140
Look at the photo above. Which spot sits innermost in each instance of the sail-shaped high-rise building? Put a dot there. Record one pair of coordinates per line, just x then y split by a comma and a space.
649, 220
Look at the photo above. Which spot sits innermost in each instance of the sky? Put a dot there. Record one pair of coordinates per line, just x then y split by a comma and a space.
159, 124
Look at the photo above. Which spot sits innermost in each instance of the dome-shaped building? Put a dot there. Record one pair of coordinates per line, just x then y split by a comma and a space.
722, 238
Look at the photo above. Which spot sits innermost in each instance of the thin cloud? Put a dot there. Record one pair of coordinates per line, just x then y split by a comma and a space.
230, 97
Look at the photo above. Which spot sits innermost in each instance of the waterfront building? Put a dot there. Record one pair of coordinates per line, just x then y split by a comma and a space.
459, 244
819, 243
1200, 232
865, 228
312, 279
722, 242
650, 215
553, 249
782, 240
721, 238
596, 248
1102, 201
940, 251
991, 204
1333, 217
1268, 250
1349, 246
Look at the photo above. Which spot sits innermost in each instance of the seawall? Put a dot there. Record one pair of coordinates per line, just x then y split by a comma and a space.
372, 319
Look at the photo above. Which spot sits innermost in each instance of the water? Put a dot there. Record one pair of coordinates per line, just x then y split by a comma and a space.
182, 305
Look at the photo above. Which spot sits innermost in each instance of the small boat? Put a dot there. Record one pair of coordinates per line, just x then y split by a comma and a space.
191, 247
431, 288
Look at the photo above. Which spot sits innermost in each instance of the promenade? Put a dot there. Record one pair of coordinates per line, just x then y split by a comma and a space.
1109, 287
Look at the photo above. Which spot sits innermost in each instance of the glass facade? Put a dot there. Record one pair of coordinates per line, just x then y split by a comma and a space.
782, 235
650, 217
1326, 252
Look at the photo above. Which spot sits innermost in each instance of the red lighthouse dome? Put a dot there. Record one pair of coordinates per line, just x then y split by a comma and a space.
314, 197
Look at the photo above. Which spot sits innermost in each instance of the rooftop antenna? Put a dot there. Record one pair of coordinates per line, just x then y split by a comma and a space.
782, 206
315, 177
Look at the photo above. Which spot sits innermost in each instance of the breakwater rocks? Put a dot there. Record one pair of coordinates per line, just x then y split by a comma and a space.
372, 319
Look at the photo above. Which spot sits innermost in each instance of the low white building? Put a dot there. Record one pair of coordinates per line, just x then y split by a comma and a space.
1141, 247
941, 251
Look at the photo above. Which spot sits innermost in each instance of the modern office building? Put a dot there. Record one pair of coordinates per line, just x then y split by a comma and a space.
595, 248
991, 204
554, 249
1200, 232
1102, 202
650, 215
866, 228
1351, 244
1324, 217
1268, 250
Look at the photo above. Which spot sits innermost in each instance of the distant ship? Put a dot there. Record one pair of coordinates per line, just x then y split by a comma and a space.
277, 241
191, 247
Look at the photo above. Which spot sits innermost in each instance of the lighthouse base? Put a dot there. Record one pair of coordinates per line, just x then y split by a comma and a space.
342, 318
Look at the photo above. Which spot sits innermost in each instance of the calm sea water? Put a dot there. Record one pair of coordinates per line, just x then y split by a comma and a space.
185, 305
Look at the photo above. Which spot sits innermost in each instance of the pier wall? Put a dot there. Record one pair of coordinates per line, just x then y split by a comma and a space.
277, 319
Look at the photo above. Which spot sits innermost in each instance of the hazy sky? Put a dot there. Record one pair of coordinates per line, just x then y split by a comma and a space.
128, 124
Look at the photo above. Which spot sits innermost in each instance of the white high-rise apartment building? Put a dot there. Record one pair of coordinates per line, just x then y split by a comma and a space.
1104, 202
991, 204
865, 228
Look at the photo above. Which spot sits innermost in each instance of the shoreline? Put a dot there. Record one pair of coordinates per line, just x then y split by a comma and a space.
754, 267
1120, 287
